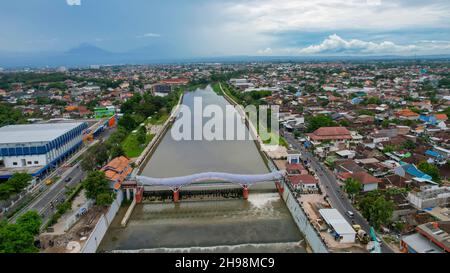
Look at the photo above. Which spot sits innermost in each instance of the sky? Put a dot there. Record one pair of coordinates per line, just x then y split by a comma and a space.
206, 28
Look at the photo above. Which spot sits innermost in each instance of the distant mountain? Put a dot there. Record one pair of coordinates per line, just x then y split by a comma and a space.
86, 54
86, 50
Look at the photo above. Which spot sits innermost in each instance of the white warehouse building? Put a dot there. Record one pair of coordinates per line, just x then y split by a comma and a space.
38, 147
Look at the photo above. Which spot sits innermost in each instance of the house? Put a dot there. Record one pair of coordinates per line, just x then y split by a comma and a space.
303, 182
430, 197
430, 238
330, 139
295, 168
407, 114
293, 157
410, 169
117, 170
369, 182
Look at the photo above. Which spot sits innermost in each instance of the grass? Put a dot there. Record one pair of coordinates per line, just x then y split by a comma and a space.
158, 121
264, 135
132, 147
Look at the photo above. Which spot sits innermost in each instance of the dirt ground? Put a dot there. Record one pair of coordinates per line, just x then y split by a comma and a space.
74, 239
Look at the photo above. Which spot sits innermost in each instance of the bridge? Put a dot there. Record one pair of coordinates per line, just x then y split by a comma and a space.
244, 180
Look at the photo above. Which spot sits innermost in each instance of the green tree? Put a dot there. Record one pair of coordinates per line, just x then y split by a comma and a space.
431, 170
141, 135
19, 237
104, 199
409, 144
376, 209
127, 122
318, 121
15, 239
31, 221
5, 191
95, 184
352, 186
19, 181
117, 151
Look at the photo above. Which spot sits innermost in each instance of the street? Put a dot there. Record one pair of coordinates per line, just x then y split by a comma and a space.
331, 187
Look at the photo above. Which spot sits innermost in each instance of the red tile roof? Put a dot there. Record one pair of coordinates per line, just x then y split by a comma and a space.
302, 179
330, 133
365, 178
118, 169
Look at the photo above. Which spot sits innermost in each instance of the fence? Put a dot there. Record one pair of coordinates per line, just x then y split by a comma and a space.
102, 225
71, 221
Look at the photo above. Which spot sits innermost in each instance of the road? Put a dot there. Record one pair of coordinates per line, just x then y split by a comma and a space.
331, 187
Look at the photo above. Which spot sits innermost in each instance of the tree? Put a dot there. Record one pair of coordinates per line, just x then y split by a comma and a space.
318, 121
104, 199
117, 151
31, 221
19, 237
15, 239
19, 181
5, 191
141, 135
127, 122
95, 184
352, 186
376, 209
409, 144
431, 170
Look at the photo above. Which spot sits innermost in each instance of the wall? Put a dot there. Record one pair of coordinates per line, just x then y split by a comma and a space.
302, 221
102, 225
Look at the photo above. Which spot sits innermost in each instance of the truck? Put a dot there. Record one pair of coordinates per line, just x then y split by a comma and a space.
362, 236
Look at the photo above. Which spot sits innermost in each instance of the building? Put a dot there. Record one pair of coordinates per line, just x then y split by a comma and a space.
433, 237
38, 147
330, 139
369, 182
117, 170
344, 232
303, 182
164, 87
430, 197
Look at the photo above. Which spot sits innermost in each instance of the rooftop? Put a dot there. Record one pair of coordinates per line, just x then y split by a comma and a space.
34, 132
337, 221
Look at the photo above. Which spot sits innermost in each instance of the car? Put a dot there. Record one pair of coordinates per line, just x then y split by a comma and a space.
350, 214
67, 179
48, 182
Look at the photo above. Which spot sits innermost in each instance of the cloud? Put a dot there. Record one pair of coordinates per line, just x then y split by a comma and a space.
148, 35
334, 44
73, 2
333, 15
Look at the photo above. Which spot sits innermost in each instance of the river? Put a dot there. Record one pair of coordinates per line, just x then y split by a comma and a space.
260, 224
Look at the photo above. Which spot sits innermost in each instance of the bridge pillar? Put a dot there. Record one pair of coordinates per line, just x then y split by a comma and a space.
139, 194
176, 195
128, 193
245, 192
279, 187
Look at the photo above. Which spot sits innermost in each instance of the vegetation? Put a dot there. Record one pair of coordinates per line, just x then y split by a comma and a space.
9, 115
352, 186
376, 209
19, 237
318, 121
15, 184
431, 170
97, 187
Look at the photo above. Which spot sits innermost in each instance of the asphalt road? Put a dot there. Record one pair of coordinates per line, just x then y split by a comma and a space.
331, 187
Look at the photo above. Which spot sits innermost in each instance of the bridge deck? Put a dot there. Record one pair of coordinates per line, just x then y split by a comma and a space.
242, 179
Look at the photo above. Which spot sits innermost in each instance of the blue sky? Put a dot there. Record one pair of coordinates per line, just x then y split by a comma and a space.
199, 28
